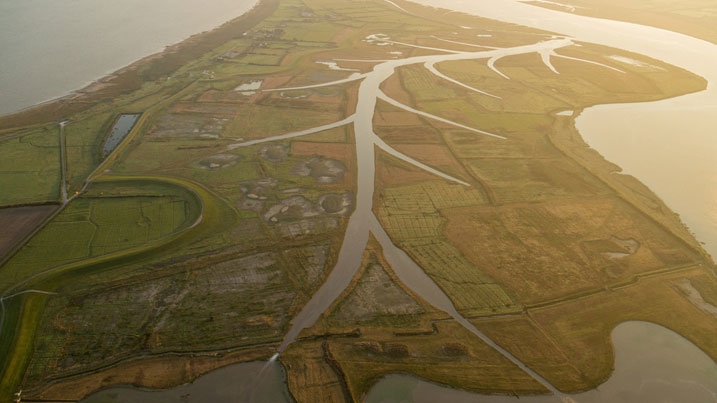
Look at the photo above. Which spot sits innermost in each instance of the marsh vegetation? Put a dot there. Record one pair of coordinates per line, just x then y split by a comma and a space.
200, 239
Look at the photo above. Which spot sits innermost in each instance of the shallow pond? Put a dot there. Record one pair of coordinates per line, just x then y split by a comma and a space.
121, 128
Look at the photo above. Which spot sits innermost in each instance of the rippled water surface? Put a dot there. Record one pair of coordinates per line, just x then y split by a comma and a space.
49, 48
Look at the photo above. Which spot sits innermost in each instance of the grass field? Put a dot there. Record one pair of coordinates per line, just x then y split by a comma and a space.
30, 167
98, 224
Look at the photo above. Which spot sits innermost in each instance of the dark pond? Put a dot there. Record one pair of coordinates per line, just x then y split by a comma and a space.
122, 126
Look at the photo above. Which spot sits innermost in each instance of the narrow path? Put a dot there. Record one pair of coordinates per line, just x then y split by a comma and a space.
63, 162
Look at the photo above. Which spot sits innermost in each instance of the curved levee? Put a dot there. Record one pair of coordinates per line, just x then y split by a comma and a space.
23, 312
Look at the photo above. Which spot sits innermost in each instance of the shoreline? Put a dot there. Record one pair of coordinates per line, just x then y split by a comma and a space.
692, 54
129, 77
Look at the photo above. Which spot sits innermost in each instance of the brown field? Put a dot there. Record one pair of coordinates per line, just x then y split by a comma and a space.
394, 87
436, 156
391, 171
519, 242
17, 222
310, 377
337, 151
220, 110
396, 117
469, 146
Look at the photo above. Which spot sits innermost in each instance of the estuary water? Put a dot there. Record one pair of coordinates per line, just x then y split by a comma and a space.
49, 48
652, 364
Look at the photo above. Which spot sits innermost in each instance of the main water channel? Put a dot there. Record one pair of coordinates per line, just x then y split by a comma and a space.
362, 222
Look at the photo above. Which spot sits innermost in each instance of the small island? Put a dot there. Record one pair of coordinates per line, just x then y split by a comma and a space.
365, 187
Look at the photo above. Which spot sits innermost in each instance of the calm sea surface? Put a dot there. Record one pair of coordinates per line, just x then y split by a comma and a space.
49, 48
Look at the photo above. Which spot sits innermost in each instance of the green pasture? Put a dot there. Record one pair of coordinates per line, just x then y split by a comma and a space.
532, 180
83, 140
97, 224
30, 169
258, 121
199, 202
262, 59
